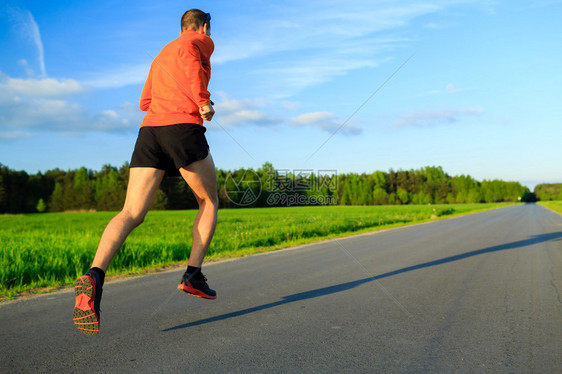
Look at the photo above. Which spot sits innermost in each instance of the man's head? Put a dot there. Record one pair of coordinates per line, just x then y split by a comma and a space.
196, 20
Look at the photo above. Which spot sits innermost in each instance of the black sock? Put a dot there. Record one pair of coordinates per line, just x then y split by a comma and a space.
101, 274
195, 272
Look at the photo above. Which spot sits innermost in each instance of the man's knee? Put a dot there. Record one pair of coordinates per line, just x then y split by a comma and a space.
136, 217
209, 201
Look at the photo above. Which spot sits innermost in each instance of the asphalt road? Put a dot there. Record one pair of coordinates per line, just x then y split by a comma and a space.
480, 293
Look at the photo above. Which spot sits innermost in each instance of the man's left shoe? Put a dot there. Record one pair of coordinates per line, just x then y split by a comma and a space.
196, 287
86, 314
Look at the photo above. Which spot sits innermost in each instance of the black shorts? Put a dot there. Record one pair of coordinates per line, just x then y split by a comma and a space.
170, 148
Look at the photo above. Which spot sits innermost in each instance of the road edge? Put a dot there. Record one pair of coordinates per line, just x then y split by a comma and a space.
210, 262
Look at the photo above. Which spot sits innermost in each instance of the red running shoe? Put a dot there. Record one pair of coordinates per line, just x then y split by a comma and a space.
196, 287
86, 314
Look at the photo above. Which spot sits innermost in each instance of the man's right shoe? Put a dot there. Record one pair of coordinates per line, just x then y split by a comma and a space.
196, 287
86, 314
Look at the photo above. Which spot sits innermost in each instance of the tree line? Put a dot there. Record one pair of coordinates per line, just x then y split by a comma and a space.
87, 190
548, 191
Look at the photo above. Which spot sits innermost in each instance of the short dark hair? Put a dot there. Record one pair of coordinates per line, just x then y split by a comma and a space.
193, 19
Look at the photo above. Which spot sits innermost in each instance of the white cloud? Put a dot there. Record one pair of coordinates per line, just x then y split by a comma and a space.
312, 118
30, 106
243, 112
432, 118
131, 111
46, 87
259, 112
325, 121
112, 121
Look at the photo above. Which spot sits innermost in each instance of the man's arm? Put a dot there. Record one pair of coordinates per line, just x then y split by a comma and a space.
198, 82
146, 95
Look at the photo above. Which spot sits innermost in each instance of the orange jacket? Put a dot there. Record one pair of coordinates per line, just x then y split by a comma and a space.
178, 76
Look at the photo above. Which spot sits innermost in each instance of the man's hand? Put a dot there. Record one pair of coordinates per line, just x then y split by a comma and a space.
207, 112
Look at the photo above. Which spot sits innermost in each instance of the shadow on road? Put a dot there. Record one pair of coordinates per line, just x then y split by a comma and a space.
535, 239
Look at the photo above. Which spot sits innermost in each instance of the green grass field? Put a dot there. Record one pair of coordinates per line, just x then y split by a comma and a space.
554, 205
52, 250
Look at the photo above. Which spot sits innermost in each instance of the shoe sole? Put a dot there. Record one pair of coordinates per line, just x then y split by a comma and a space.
194, 292
84, 315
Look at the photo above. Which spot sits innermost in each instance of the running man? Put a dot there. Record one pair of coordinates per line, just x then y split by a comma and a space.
171, 142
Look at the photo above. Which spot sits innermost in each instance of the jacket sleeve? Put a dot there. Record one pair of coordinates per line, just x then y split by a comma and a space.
196, 76
146, 95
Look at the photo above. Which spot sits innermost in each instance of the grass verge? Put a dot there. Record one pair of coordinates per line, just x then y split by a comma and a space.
44, 252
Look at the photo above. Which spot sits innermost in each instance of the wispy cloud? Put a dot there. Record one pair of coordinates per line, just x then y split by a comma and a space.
450, 88
29, 29
36, 38
325, 121
293, 77
7, 136
118, 77
330, 39
525, 6
432, 118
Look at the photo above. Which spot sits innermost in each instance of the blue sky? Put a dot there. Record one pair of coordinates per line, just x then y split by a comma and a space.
474, 86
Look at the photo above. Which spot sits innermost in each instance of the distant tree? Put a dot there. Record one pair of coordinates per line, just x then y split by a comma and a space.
40, 187
3, 194
474, 196
83, 191
57, 199
450, 198
109, 191
15, 191
267, 175
442, 190
548, 191
41, 207
380, 196
421, 198
402, 183
365, 187
403, 196
380, 179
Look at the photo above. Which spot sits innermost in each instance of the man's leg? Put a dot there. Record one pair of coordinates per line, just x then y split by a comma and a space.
143, 185
201, 177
